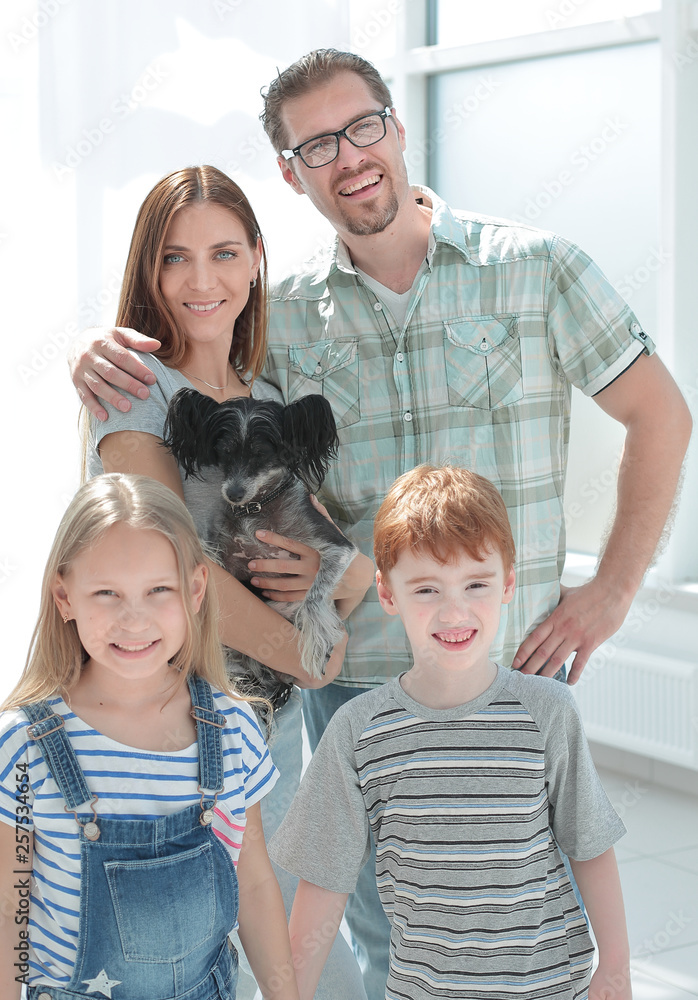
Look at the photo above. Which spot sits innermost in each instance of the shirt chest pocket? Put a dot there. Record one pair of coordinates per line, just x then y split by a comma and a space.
483, 361
331, 369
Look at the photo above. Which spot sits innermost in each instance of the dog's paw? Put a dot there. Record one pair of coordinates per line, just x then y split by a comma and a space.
320, 630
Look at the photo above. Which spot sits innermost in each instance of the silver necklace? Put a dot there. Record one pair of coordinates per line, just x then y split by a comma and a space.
209, 384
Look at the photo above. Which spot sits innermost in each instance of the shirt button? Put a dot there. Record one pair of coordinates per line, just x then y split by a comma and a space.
378, 306
318, 370
400, 356
407, 417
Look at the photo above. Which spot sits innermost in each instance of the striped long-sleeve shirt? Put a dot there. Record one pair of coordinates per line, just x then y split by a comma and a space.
130, 783
467, 807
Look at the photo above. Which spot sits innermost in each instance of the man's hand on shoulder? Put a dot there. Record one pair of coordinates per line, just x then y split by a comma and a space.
100, 363
585, 617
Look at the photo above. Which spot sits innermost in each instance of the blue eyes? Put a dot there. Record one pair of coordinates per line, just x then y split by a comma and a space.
175, 258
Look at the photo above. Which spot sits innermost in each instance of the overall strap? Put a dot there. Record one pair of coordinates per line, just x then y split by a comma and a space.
209, 726
47, 730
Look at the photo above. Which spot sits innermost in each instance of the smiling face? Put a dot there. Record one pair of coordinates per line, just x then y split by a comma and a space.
124, 594
206, 271
361, 191
450, 612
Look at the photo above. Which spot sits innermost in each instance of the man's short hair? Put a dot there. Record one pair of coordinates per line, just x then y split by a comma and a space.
313, 70
440, 512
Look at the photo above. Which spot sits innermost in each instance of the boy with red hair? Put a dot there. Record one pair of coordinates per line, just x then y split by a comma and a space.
473, 779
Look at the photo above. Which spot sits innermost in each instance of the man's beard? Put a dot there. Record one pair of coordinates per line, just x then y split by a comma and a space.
374, 219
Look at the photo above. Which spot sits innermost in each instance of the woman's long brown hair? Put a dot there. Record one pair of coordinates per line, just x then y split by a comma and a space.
142, 305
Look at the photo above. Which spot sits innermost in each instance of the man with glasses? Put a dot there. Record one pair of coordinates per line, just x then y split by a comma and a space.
322, 149
443, 336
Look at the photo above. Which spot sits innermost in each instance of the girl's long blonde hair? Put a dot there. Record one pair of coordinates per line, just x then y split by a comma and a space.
56, 654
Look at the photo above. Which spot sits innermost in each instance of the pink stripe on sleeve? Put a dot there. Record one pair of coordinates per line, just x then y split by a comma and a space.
228, 822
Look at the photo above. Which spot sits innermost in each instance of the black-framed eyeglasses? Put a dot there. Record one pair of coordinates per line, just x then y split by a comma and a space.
323, 149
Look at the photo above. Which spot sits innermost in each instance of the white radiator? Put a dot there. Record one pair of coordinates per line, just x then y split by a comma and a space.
642, 703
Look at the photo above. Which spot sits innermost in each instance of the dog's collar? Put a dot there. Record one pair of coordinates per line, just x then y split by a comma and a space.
255, 506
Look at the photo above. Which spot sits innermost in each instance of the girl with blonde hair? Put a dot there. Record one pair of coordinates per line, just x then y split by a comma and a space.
195, 281
131, 775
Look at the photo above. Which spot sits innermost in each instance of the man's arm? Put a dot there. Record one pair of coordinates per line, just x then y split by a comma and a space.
647, 401
599, 885
99, 360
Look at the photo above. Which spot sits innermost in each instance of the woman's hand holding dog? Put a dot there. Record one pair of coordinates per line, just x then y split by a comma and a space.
302, 568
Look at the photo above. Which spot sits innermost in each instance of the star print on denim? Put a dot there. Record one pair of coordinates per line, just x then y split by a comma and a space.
101, 984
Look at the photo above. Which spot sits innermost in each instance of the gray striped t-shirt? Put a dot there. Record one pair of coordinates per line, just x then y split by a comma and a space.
467, 807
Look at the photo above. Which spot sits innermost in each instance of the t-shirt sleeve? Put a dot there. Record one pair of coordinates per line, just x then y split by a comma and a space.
262, 388
594, 334
146, 415
16, 793
583, 821
324, 837
259, 775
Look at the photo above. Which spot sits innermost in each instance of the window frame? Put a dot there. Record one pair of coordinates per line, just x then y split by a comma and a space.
414, 63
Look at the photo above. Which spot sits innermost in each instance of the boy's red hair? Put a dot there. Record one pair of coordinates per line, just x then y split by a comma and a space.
440, 512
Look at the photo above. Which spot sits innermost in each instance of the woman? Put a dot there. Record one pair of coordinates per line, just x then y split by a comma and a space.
195, 279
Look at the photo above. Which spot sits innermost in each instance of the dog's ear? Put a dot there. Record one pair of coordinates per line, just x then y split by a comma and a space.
310, 434
188, 432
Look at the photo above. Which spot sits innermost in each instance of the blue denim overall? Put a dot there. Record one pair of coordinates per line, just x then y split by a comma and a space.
157, 897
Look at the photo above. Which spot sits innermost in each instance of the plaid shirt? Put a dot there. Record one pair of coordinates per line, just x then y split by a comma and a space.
501, 323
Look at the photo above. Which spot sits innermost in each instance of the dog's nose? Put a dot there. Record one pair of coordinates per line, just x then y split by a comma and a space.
234, 492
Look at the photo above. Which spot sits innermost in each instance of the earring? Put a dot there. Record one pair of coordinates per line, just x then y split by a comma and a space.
65, 619
253, 283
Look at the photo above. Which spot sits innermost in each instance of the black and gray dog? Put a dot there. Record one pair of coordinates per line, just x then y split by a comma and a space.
271, 456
